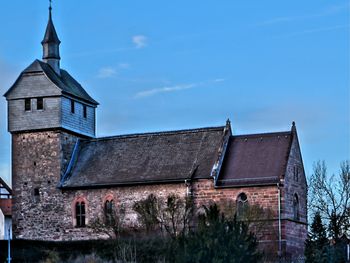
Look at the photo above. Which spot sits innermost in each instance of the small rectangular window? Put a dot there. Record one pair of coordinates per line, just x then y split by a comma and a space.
72, 106
36, 195
27, 106
84, 111
39, 103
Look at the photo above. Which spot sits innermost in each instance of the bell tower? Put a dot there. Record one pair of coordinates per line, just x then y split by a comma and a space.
48, 113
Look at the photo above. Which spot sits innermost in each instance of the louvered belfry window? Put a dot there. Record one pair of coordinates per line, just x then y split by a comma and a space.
27, 104
80, 214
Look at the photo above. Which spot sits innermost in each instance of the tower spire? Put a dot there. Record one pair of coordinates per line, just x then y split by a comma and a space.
50, 43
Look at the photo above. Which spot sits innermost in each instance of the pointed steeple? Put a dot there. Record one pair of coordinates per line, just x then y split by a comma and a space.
50, 43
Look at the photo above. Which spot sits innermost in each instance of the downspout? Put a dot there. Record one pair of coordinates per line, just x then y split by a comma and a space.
279, 222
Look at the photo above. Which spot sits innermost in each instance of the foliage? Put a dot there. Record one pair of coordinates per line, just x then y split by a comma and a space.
176, 215
329, 200
317, 242
330, 196
112, 226
148, 211
218, 239
172, 215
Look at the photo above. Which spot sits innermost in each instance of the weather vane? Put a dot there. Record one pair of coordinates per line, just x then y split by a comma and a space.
50, 7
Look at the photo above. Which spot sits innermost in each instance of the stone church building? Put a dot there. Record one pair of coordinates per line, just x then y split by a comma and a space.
63, 176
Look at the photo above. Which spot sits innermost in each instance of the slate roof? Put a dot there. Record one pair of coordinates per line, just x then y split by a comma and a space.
255, 159
145, 158
3, 184
50, 32
65, 82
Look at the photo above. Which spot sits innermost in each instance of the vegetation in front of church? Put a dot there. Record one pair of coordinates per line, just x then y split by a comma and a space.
329, 202
166, 234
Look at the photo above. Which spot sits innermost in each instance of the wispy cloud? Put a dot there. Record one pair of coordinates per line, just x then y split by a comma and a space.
139, 41
314, 30
174, 88
124, 65
330, 10
151, 92
106, 72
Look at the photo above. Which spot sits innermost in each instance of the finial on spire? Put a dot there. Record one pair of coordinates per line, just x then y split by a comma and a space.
51, 54
293, 127
50, 8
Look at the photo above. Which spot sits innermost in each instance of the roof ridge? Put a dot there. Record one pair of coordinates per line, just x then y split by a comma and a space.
160, 133
262, 134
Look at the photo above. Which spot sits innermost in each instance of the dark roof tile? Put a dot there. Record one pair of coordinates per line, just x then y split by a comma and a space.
145, 158
255, 159
65, 82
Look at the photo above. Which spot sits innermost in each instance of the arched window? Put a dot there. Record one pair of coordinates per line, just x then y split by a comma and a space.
80, 215
109, 212
242, 204
296, 215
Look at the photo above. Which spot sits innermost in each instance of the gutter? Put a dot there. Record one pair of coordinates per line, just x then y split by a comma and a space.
244, 185
110, 185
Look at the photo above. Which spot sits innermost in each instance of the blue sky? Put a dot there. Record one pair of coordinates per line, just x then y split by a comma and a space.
163, 65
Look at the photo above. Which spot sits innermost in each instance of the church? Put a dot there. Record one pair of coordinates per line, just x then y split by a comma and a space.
63, 176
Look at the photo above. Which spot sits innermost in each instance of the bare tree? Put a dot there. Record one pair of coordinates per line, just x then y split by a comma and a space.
173, 214
330, 196
110, 224
176, 214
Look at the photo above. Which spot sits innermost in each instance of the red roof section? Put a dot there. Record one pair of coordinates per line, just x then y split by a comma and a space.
255, 159
6, 206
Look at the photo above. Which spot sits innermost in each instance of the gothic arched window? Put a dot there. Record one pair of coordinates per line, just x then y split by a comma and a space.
80, 215
296, 215
242, 204
109, 212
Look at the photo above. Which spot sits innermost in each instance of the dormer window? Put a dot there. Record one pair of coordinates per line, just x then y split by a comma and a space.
39, 103
27, 104
84, 111
72, 106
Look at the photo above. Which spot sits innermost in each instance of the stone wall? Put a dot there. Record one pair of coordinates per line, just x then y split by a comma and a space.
294, 230
266, 197
38, 205
123, 197
42, 211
